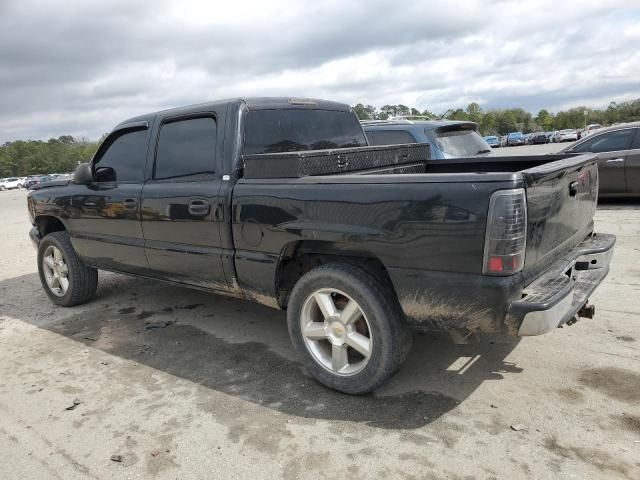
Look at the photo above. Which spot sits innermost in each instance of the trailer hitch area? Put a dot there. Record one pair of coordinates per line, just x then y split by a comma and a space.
587, 311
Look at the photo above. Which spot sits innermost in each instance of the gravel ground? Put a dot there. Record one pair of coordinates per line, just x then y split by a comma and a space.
219, 394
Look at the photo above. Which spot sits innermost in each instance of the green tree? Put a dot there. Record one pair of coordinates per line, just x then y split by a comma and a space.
474, 112
361, 112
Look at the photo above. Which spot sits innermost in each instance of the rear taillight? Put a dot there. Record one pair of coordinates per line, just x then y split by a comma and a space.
505, 240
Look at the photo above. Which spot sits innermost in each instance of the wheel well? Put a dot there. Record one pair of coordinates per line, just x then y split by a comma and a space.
48, 224
300, 257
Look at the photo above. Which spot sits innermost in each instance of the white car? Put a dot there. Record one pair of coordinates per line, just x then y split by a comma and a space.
590, 129
10, 183
568, 135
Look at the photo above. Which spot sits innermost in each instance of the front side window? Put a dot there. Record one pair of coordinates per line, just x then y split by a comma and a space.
186, 147
389, 137
124, 158
607, 142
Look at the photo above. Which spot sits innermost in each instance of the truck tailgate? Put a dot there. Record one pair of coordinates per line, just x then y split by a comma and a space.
561, 202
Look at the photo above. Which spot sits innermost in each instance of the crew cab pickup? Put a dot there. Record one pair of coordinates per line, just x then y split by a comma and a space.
281, 201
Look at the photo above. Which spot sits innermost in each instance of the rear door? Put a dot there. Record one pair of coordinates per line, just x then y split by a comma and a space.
181, 216
612, 148
632, 166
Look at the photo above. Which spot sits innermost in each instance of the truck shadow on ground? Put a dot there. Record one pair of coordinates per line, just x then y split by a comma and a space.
239, 359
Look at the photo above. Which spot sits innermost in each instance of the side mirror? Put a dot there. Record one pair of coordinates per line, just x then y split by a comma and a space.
83, 174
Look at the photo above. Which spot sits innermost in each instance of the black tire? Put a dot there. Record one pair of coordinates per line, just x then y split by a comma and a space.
83, 280
390, 336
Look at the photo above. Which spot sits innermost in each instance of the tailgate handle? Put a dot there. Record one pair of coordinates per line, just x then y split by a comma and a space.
573, 189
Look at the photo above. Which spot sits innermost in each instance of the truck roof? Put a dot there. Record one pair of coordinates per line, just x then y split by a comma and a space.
251, 103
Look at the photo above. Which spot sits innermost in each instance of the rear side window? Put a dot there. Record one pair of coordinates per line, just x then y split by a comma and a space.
390, 137
126, 156
186, 147
607, 142
294, 130
458, 142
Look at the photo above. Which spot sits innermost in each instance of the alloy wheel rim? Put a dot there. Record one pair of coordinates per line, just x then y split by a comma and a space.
56, 272
336, 332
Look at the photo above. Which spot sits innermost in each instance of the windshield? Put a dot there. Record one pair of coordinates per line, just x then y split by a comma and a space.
458, 142
293, 130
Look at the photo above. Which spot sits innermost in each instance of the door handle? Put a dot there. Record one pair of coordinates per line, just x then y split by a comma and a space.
615, 160
199, 208
130, 203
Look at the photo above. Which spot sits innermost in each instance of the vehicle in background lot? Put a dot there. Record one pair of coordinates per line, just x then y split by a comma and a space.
35, 182
492, 141
618, 150
360, 244
538, 138
567, 135
590, 129
447, 138
514, 139
10, 183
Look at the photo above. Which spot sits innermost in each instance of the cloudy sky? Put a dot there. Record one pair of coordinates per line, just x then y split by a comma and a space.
78, 67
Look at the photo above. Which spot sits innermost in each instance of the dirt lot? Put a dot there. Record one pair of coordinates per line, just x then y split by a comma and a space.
219, 394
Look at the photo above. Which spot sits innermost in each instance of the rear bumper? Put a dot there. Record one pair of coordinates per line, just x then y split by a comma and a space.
35, 237
556, 297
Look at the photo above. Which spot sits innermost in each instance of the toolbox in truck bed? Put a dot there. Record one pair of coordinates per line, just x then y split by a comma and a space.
328, 162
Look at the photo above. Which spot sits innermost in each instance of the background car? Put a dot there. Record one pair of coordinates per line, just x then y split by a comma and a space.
567, 135
10, 183
590, 129
36, 181
492, 141
447, 138
618, 150
538, 138
515, 138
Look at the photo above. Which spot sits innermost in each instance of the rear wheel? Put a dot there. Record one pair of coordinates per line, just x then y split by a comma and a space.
348, 327
64, 276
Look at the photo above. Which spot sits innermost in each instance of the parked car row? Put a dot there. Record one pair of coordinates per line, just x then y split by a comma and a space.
30, 182
555, 136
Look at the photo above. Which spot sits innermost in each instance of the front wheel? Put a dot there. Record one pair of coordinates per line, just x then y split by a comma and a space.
64, 276
347, 325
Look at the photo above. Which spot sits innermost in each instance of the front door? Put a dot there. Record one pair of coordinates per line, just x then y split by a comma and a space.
104, 224
612, 149
181, 218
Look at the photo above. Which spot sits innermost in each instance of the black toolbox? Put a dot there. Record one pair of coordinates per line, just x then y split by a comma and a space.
333, 161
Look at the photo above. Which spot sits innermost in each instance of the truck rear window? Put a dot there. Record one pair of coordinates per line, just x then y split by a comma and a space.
294, 130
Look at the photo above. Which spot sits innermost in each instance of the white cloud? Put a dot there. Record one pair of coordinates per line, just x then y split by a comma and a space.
79, 68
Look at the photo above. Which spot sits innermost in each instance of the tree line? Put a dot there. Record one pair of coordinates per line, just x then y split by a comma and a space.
58, 155
501, 122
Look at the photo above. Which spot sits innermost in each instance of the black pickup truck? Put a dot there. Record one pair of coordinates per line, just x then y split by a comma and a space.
281, 201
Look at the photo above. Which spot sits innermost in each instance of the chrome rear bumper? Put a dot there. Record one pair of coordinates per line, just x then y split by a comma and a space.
557, 296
